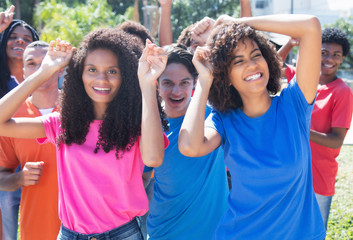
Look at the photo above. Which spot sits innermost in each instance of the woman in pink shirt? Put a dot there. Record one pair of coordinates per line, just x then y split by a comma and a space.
108, 128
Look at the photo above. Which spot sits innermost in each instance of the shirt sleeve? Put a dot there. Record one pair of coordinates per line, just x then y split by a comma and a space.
214, 120
294, 96
51, 123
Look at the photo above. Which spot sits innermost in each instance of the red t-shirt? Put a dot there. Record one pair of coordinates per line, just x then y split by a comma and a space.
333, 108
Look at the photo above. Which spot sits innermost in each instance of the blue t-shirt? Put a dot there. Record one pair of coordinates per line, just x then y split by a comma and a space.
189, 194
269, 160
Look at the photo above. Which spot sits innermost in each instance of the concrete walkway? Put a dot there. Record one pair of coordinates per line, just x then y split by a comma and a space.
349, 137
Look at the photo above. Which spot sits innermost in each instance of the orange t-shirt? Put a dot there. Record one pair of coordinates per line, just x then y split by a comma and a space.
39, 203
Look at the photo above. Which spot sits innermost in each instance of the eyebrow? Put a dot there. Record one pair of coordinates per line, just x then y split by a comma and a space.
338, 51
240, 56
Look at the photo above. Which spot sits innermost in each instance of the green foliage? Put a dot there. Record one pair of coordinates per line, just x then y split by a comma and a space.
346, 25
185, 12
55, 19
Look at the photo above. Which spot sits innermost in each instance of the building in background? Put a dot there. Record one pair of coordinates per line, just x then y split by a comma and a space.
328, 11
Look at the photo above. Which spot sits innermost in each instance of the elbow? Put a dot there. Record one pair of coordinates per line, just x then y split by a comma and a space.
154, 161
187, 149
314, 25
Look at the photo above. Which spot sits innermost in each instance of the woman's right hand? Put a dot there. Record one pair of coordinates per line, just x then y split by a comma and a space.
6, 18
58, 56
201, 61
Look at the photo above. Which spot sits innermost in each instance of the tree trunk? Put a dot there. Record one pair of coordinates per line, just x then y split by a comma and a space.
18, 9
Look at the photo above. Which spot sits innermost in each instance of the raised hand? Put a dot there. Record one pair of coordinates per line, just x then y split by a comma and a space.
164, 3
58, 56
6, 18
202, 30
151, 64
201, 61
31, 173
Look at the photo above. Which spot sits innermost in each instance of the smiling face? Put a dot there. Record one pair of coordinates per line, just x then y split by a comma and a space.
175, 86
18, 40
248, 71
331, 59
101, 78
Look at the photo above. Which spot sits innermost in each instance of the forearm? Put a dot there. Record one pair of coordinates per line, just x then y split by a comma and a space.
152, 140
245, 8
10, 181
191, 136
165, 32
14, 99
329, 140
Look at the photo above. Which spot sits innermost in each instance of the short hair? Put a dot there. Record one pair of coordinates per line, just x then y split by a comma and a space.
38, 44
177, 54
336, 35
224, 39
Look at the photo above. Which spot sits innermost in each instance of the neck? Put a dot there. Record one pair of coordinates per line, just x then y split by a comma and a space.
16, 68
256, 106
325, 79
45, 99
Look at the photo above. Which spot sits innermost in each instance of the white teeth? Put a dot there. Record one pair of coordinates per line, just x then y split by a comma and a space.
328, 65
18, 49
101, 89
253, 77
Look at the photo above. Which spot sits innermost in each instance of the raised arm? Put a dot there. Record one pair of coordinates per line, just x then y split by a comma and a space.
6, 18
165, 32
245, 8
55, 59
286, 48
151, 64
307, 30
194, 140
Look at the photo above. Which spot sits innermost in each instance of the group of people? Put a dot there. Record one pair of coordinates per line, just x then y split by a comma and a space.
142, 138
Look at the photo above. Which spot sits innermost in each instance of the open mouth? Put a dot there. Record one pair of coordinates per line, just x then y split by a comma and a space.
328, 65
101, 90
253, 77
176, 100
18, 49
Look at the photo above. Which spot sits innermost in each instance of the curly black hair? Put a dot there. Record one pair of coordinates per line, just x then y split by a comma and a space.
336, 35
222, 43
122, 122
185, 37
136, 29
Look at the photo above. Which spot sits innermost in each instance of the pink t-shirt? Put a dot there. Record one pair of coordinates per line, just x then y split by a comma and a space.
333, 108
97, 192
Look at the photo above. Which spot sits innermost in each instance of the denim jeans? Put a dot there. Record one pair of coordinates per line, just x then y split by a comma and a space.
325, 205
128, 231
9, 205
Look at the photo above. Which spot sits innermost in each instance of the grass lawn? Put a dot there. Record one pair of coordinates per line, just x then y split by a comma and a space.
340, 225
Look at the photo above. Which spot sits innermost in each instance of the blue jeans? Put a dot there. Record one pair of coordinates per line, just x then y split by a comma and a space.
128, 231
9, 205
325, 205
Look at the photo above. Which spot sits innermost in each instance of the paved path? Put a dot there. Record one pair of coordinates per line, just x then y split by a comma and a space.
349, 137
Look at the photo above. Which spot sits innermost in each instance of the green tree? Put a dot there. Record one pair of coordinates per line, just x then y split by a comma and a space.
346, 25
186, 12
55, 19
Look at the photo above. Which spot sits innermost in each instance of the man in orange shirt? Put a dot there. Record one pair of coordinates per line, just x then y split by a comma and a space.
39, 202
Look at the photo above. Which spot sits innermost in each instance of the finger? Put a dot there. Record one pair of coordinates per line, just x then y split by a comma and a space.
11, 9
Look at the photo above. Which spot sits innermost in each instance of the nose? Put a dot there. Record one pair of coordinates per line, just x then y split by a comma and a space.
20, 39
175, 89
252, 64
102, 76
